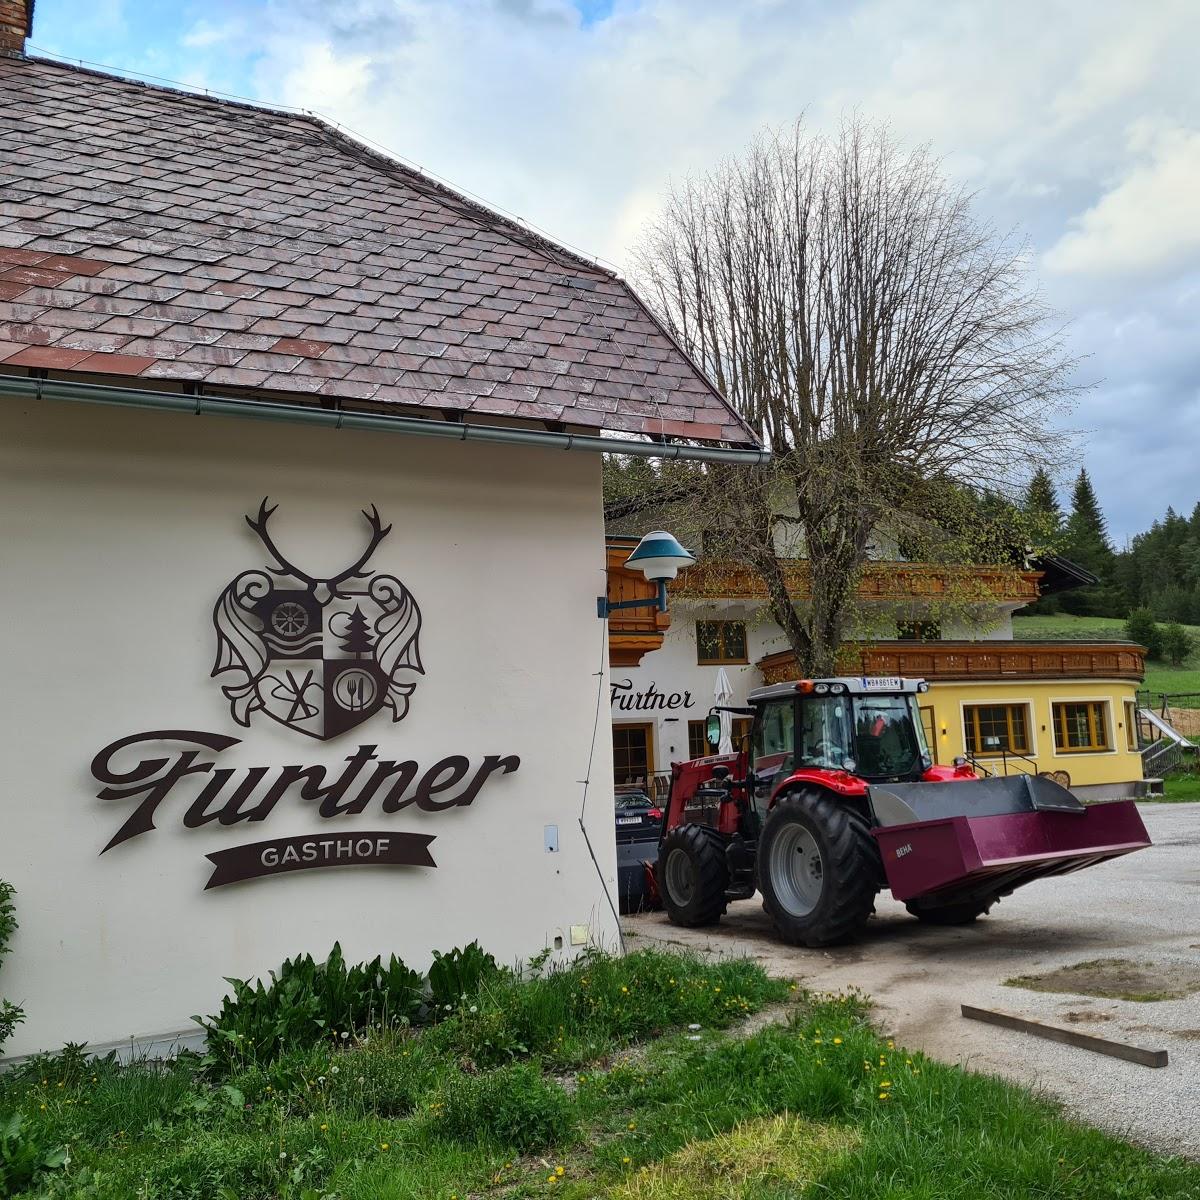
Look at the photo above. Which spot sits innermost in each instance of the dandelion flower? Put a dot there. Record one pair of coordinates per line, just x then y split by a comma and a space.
837, 1041
385, 1145
560, 1170
626, 1159
632, 1124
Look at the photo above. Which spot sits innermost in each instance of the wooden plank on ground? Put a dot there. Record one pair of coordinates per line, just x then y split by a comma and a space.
1069, 1037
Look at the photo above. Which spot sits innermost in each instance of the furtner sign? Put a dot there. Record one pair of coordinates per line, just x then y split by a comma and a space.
319, 656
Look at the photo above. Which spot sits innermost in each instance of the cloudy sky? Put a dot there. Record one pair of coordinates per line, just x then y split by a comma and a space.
1077, 122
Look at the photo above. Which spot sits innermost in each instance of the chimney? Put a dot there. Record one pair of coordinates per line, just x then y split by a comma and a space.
16, 24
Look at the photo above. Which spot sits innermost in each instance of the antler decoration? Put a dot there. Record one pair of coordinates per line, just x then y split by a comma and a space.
329, 586
378, 533
282, 566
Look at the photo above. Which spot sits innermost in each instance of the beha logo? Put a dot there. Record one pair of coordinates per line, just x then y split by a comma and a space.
317, 655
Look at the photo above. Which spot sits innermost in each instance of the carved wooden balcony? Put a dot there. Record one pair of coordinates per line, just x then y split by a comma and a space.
945, 662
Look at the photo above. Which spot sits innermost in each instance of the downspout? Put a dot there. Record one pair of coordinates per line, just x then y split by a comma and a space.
263, 410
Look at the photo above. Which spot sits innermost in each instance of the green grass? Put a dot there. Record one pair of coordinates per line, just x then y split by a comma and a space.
818, 1106
1179, 789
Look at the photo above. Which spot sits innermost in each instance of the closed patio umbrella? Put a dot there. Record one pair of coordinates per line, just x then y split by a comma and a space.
723, 694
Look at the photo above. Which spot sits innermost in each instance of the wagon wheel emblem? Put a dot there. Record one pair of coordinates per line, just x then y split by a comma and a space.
289, 619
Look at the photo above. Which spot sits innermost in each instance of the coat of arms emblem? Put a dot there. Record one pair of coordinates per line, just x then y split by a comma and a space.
318, 655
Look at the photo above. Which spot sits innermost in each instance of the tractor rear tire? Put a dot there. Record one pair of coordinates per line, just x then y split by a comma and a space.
950, 914
693, 875
818, 869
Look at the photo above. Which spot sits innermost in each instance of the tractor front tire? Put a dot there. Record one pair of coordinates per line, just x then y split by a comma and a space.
693, 875
950, 914
818, 869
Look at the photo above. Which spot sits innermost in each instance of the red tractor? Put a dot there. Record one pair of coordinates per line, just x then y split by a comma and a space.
837, 796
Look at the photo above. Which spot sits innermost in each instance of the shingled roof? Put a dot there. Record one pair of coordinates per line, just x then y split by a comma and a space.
165, 236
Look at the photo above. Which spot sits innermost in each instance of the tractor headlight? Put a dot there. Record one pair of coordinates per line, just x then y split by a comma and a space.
821, 689
848, 764
922, 686
837, 688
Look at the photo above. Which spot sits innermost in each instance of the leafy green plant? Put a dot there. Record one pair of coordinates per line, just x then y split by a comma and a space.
1177, 643
1140, 626
11, 1015
23, 1156
513, 1106
306, 1003
458, 974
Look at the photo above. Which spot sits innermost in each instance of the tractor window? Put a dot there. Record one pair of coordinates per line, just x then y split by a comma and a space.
775, 732
773, 745
824, 732
886, 737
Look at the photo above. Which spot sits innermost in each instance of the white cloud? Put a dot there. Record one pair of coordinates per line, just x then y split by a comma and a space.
204, 35
1147, 223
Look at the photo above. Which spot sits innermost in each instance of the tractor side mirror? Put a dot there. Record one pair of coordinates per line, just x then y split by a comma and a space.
712, 730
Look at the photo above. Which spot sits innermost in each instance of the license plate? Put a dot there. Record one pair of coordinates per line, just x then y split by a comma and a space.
629, 820
882, 683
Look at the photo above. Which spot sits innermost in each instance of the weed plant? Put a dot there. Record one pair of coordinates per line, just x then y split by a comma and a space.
11, 1015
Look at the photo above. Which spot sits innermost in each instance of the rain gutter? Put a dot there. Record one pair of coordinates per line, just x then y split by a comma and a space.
458, 431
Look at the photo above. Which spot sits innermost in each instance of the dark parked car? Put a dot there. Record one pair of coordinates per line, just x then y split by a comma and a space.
638, 821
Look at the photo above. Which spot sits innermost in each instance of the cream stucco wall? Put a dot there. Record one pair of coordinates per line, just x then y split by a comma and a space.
119, 530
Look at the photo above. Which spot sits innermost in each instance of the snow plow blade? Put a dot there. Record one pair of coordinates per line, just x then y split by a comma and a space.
953, 843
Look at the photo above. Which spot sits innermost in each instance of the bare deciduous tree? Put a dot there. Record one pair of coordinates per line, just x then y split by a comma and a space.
885, 341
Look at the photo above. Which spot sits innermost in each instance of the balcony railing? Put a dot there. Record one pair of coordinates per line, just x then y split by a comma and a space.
879, 581
947, 662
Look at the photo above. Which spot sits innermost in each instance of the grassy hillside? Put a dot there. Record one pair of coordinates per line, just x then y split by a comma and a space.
1160, 677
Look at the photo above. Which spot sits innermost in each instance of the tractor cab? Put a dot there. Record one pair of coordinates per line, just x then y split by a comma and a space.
834, 794
865, 729
841, 734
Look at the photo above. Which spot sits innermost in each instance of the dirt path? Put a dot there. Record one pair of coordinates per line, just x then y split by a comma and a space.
1145, 908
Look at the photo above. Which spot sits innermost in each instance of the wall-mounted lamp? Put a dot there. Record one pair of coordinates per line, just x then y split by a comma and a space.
659, 557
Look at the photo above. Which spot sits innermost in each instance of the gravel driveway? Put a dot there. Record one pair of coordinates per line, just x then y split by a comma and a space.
1144, 907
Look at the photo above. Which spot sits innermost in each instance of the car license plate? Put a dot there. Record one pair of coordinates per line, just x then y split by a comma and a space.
882, 683
629, 820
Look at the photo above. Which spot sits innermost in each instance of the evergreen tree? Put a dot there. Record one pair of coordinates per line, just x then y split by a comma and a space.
1045, 521
1041, 500
1086, 542
358, 636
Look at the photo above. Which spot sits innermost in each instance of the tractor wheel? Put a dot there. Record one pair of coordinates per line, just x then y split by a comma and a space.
950, 914
692, 875
818, 869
